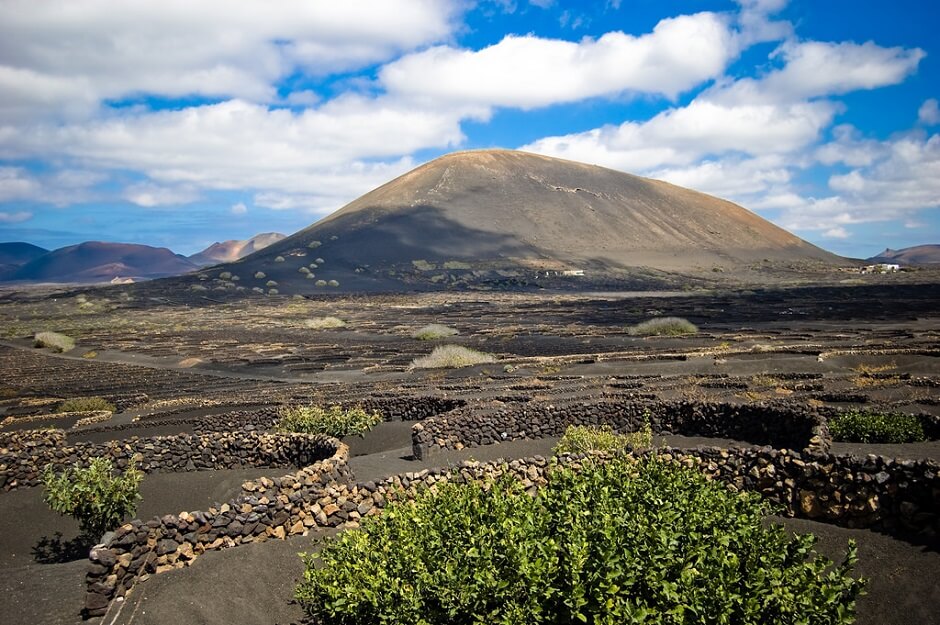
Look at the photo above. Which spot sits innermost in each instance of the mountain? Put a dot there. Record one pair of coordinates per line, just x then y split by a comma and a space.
228, 251
917, 255
16, 254
96, 261
482, 217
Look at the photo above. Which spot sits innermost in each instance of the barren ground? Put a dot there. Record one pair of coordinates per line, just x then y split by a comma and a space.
873, 346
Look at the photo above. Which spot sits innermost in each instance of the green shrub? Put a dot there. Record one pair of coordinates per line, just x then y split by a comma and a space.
452, 357
855, 426
94, 496
433, 331
279, 259
663, 326
620, 542
54, 341
585, 439
260, 275
334, 421
324, 323
85, 404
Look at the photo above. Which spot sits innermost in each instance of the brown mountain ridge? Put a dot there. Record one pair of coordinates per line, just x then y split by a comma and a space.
495, 216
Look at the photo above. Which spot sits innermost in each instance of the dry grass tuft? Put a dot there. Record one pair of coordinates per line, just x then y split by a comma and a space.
54, 341
433, 331
324, 323
663, 326
452, 357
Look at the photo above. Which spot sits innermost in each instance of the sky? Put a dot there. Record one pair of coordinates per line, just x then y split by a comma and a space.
181, 123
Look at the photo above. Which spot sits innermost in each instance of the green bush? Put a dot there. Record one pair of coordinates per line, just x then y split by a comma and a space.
334, 421
621, 542
85, 404
94, 496
855, 426
433, 331
663, 326
452, 357
585, 439
54, 341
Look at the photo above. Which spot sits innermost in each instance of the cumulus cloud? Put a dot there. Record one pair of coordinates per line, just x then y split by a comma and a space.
528, 71
239, 208
151, 195
62, 58
15, 218
929, 113
815, 69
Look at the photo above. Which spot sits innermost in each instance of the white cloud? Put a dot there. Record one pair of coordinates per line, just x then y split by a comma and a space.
681, 136
836, 233
16, 184
929, 113
815, 69
150, 195
849, 148
239, 208
15, 218
529, 71
730, 177
61, 58
755, 23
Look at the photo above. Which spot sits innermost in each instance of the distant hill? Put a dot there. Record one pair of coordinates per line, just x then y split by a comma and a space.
16, 254
917, 255
479, 218
96, 261
228, 251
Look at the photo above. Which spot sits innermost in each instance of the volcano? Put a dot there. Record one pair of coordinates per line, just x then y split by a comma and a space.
499, 217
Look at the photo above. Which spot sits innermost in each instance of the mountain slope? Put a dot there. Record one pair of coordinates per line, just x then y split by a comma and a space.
231, 250
479, 216
14, 255
917, 255
96, 261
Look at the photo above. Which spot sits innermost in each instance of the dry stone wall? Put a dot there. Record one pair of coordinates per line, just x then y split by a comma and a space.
25, 455
784, 427
266, 508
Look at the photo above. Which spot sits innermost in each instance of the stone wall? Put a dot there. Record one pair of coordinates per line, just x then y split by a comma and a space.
266, 508
24, 455
784, 427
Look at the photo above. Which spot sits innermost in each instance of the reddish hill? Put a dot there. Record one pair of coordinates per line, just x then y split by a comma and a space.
917, 255
96, 261
231, 250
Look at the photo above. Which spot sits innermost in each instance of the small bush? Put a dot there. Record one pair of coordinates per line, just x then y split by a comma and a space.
324, 323
452, 357
433, 331
855, 426
333, 283
314, 244
85, 404
333, 422
97, 499
649, 542
320, 283
663, 326
225, 275
270, 283
54, 341
273, 292
279, 259
585, 439
260, 275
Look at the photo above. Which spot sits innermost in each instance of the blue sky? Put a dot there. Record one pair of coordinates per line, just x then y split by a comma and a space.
182, 123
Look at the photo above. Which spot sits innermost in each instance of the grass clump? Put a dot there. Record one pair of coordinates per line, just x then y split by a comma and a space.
334, 421
663, 326
433, 331
324, 323
856, 426
452, 357
585, 439
54, 341
647, 541
94, 496
85, 404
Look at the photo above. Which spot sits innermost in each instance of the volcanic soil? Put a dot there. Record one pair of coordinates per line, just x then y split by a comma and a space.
171, 364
